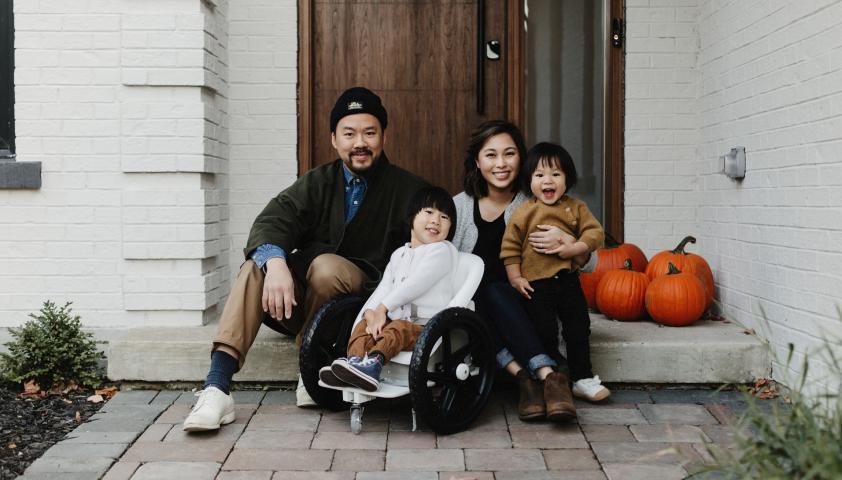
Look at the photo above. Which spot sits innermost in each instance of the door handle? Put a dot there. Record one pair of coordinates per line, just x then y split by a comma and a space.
492, 50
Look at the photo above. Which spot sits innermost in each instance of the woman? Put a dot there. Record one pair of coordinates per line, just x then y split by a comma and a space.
493, 182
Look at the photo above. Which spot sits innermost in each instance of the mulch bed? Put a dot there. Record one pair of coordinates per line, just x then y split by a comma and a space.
29, 426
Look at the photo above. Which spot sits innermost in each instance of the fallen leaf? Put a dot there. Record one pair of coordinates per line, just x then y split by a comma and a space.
748, 331
764, 389
69, 387
96, 399
67, 401
78, 417
106, 392
13, 446
31, 388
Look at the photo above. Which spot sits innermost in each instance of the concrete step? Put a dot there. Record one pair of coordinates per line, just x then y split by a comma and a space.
629, 352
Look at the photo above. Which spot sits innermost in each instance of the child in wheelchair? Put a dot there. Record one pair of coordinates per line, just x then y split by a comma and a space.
417, 283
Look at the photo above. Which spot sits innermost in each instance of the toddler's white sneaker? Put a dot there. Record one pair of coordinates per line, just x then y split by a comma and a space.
590, 389
213, 409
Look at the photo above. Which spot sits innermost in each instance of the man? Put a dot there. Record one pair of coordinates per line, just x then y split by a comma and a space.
329, 233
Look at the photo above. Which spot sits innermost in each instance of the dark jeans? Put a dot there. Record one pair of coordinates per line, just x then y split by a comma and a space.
561, 297
516, 335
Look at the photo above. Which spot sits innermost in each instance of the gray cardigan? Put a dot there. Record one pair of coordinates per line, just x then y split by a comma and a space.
466, 234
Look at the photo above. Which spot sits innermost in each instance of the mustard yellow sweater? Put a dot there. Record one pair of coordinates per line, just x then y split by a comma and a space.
569, 214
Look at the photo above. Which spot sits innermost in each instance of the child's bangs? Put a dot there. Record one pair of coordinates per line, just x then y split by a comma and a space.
550, 161
432, 197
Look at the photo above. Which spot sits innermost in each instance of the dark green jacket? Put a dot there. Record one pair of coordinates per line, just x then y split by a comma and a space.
308, 218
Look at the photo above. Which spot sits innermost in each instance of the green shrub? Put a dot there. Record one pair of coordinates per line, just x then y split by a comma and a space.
801, 440
52, 350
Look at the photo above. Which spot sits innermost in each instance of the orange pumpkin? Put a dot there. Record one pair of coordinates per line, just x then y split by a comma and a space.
686, 262
675, 299
611, 257
621, 293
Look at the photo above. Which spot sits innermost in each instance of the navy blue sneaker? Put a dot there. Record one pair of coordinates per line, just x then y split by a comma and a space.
363, 373
328, 378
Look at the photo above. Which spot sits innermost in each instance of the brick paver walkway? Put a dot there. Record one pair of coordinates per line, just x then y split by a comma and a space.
636, 435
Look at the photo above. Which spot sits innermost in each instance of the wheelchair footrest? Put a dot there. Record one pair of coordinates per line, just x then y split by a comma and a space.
386, 390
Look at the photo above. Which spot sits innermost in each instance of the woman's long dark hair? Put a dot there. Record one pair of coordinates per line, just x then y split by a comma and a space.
473, 182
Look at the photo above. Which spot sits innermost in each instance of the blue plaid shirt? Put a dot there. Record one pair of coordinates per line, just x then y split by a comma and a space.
355, 188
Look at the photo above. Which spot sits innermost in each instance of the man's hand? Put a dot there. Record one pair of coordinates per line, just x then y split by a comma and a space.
375, 320
549, 239
522, 286
278, 289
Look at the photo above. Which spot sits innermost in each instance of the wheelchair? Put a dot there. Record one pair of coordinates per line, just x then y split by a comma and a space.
448, 375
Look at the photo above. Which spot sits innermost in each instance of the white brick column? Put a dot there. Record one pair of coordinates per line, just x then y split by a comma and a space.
173, 137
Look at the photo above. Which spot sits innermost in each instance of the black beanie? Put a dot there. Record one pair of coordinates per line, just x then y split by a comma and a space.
358, 100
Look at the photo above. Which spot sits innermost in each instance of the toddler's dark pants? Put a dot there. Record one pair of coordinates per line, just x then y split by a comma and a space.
561, 297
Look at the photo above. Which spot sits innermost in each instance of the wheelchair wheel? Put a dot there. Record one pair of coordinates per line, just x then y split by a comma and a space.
450, 386
325, 340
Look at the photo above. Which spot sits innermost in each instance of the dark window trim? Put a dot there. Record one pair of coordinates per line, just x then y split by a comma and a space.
7, 79
13, 175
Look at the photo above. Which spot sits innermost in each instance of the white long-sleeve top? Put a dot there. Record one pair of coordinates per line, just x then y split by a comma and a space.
422, 277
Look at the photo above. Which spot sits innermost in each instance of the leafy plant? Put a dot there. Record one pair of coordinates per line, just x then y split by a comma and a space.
801, 440
52, 350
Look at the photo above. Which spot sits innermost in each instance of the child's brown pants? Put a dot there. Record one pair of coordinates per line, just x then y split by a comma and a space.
396, 336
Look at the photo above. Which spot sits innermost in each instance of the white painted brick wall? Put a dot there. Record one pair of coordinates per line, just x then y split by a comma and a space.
263, 43
662, 124
771, 81
125, 104
704, 76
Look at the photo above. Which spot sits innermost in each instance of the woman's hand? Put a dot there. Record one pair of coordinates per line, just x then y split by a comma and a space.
522, 286
550, 240
375, 320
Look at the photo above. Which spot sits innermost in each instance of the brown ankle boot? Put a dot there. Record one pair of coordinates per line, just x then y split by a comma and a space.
531, 405
558, 398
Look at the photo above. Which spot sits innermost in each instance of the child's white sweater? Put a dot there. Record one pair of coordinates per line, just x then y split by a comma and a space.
422, 277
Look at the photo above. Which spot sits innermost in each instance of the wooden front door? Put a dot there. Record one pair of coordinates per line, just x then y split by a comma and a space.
423, 59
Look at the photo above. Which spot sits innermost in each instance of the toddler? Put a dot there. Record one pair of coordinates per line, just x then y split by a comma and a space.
550, 283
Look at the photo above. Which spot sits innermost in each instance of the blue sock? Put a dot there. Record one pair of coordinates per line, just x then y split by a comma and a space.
222, 369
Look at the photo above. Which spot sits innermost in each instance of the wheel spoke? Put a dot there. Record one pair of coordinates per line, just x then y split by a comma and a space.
446, 351
440, 378
447, 398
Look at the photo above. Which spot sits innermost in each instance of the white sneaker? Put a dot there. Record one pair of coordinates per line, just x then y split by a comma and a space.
302, 398
213, 409
590, 389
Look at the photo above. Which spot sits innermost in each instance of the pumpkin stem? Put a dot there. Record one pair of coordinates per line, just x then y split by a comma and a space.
627, 264
685, 241
611, 242
673, 269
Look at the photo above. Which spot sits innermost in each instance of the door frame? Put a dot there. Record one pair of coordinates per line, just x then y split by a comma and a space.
614, 167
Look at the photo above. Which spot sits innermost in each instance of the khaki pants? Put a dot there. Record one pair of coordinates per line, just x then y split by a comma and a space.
329, 275
396, 336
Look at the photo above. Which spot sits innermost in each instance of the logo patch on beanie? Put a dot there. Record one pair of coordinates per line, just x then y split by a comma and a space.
355, 106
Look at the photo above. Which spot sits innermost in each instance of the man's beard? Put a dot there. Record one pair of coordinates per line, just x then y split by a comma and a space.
362, 171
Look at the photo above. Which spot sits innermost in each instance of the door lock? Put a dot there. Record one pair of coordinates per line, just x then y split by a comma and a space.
617, 32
